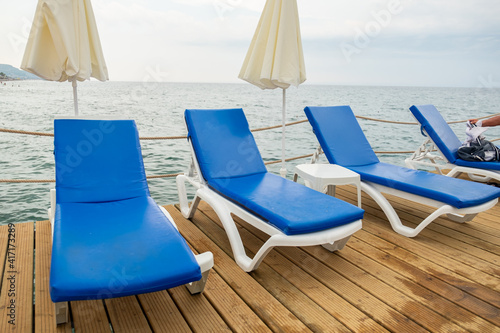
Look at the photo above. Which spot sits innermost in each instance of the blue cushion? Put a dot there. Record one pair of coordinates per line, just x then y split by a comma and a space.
439, 131
116, 249
455, 192
340, 135
110, 237
223, 143
98, 161
494, 165
231, 164
288, 206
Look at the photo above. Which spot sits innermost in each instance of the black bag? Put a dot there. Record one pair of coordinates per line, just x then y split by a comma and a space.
480, 150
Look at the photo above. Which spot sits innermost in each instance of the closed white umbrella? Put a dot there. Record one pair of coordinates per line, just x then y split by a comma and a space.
275, 58
64, 44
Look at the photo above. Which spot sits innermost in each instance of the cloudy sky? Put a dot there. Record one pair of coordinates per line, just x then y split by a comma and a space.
353, 42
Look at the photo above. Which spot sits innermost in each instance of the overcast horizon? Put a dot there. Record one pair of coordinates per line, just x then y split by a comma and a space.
383, 43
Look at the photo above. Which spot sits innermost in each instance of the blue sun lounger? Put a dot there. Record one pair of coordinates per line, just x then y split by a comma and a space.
229, 174
110, 238
441, 137
344, 143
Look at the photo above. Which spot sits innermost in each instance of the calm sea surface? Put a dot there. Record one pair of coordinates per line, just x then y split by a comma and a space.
158, 110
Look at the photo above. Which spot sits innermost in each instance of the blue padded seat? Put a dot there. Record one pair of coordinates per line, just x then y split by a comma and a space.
288, 206
110, 238
114, 249
232, 166
343, 141
493, 165
455, 192
443, 136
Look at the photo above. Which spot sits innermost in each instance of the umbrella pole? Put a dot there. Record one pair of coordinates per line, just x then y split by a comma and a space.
75, 97
283, 167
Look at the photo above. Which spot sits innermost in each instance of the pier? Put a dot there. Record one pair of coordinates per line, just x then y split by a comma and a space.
447, 279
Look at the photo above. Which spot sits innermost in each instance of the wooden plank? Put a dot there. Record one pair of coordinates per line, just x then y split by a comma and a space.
306, 309
489, 220
326, 305
126, 315
231, 308
16, 299
460, 262
4, 238
4, 241
404, 273
271, 311
470, 310
162, 312
377, 284
90, 316
44, 307
454, 235
197, 311
342, 273
425, 259
235, 312
473, 230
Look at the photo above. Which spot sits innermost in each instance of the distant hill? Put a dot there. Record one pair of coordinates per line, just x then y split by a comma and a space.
15, 73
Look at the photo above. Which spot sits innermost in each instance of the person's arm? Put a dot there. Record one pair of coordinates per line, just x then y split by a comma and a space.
490, 122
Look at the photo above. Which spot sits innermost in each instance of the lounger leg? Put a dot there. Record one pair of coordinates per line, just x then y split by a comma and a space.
186, 210
198, 286
461, 218
62, 312
330, 190
479, 178
336, 246
393, 217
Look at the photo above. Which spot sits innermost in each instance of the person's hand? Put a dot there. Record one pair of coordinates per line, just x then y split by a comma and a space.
473, 121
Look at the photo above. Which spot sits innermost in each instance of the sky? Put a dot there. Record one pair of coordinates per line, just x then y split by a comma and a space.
346, 42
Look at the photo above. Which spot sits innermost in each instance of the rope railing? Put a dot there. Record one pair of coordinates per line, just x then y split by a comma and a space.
253, 130
279, 126
148, 177
5, 130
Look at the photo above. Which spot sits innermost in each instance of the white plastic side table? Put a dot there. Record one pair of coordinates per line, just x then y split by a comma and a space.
319, 176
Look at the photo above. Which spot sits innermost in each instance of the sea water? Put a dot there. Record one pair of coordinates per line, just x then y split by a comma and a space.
158, 110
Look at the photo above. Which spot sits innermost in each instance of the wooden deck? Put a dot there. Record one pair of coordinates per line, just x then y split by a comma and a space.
447, 279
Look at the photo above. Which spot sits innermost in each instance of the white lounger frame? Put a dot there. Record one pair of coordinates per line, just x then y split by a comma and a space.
429, 155
460, 215
375, 191
205, 260
332, 239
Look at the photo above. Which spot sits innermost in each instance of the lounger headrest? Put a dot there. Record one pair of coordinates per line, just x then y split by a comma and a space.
98, 161
223, 143
438, 130
340, 135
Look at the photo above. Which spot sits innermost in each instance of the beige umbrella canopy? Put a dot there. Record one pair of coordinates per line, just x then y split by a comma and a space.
64, 44
275, 58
